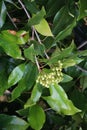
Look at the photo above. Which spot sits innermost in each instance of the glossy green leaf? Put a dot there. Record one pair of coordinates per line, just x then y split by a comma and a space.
52, 7
83, 82
66, 78
82, 9
23, 112
16, 75
12, 123
10, 1
39, 48
35, 96
36, 117
62, 21
43, 28
79, 99
30, 53
8, 43
22, 37
67, 52
31, 6
3, 82
73, 60
37, 17
65, 32
60, 102
2, 13
27, 81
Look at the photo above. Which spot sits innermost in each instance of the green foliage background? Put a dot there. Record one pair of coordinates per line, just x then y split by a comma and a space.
43, 72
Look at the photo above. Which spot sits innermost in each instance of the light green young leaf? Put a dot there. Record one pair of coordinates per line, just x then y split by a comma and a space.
43, 28
60, 102
36, 117
16, 75
12, 123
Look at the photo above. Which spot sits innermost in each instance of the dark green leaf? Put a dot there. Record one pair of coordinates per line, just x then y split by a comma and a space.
31, 6
39, 48
30, 53
12, 123
66, 78
23, 112
3, 82
53, 7
36, 117
62, 21
62, 54
37, 17
65, 32
83, 82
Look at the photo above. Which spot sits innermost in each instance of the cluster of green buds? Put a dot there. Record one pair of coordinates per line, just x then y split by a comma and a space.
51, 76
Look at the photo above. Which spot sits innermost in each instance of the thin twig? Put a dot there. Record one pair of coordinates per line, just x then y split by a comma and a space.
48, 109
37, 63
80, 68
24, 9
82, 45
28, 15
12, 20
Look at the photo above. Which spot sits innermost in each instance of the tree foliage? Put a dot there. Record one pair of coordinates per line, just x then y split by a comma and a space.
42, 65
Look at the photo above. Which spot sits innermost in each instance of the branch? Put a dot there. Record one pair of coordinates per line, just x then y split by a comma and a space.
82, 45
12, 20
37, 63
24, 9
80, 68
28, 15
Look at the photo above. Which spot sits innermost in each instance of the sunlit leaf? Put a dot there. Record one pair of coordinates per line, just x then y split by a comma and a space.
43, 28
16, 75
36, 94
27, 81
60, 102
9, 46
